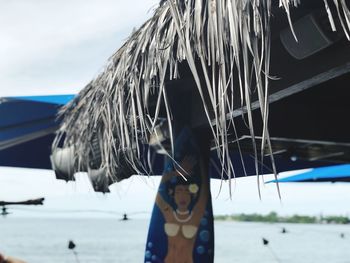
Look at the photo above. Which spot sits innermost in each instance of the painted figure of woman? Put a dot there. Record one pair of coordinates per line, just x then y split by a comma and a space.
182, 221
181, 228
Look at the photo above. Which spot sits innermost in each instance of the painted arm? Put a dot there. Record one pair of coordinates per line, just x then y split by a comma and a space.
185, 169
200, 206
164, 207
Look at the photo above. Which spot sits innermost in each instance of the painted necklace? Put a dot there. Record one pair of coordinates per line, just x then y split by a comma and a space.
182, 220
182, 213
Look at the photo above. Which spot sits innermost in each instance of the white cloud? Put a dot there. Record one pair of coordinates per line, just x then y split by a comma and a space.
58, 46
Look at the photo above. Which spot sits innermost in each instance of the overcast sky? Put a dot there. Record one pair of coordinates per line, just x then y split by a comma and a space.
57, 47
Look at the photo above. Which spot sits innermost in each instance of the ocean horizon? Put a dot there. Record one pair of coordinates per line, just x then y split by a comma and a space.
39, 240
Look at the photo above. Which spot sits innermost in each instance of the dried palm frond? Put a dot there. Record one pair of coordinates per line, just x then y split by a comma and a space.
226, 46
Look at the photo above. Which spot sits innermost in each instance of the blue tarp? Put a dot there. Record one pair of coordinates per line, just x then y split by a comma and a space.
335, 173
53, 99
27, 125
22, 117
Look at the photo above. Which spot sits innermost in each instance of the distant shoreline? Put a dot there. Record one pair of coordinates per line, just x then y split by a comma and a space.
273, 217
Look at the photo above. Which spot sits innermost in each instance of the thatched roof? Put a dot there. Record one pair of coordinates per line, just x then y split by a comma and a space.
226, 47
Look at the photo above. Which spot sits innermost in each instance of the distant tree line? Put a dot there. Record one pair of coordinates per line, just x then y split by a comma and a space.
273, 217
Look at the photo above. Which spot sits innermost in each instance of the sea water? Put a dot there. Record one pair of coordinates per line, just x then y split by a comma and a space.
112, 240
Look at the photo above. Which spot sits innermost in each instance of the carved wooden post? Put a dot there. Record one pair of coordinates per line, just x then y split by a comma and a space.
181, 228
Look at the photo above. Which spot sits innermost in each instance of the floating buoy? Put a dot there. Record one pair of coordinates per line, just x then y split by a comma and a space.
125, 217
265, 241
71, 245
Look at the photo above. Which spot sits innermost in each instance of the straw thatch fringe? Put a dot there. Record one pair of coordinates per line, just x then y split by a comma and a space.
216, 38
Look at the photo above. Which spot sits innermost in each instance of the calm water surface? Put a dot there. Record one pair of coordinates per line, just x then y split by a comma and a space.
110, 240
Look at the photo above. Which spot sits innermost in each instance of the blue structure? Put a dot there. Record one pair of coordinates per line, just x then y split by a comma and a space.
335, 173
27, 125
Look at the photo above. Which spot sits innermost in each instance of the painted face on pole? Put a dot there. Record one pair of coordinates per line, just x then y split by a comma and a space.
182, 197
182, 219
